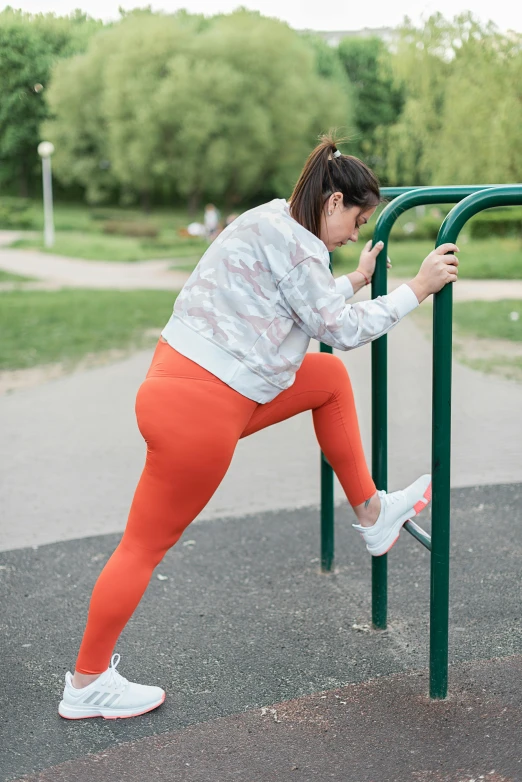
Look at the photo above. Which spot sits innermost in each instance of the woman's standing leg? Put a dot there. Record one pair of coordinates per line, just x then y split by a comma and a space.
191, 427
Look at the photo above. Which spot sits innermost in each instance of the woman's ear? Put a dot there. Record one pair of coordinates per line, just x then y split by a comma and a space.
337, 200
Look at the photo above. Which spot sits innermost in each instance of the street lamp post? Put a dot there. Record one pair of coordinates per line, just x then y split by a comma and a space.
45, 150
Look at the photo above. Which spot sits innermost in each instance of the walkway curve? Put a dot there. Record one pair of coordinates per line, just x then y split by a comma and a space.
54, 272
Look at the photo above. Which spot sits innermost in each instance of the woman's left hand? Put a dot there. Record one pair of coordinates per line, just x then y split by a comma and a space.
369, 257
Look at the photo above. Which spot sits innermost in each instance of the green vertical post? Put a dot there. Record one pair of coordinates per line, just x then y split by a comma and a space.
440, 469
327, 515
441, 435
380, 440
327, 497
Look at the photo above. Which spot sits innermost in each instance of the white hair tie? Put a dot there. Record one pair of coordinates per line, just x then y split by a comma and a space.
336, 153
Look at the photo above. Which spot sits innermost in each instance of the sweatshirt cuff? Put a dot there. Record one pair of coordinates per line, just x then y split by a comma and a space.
403, 299
344, 286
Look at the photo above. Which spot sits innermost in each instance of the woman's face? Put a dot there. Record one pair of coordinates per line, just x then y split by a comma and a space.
340, 224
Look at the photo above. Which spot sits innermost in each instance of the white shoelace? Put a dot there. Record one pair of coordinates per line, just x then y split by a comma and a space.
391, 498
115, 679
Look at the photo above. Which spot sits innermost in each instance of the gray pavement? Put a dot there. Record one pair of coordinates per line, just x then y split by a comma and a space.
58, 271
245, 630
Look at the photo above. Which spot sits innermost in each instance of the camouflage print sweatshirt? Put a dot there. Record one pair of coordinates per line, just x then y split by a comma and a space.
258, 295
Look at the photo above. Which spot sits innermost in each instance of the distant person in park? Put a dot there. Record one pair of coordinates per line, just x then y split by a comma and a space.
230, 219
211, 222
196, 229
233, 360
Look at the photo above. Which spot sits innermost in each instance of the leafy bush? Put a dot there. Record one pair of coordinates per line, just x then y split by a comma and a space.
124, 228
496, 223
109, 215
413, 230
15, 215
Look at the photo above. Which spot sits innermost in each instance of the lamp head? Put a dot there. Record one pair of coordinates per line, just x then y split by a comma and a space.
45, 149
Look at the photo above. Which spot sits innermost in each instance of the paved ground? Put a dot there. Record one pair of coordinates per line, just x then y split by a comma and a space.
56, 271
243, 622
271, 668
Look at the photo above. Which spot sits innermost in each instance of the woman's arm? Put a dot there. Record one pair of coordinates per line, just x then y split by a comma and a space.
364, 272
320, 309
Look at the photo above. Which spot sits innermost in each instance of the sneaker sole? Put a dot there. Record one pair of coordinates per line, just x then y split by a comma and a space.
401, 521
69, 712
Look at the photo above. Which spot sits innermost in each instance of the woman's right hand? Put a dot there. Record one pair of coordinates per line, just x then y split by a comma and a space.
436, 270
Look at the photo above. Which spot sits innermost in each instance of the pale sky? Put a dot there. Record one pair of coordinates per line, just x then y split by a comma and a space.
303, 14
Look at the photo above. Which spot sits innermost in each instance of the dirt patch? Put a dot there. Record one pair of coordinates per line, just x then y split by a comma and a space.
500, 357
493, 356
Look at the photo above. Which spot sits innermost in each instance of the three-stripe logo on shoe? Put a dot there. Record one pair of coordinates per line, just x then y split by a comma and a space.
112, 698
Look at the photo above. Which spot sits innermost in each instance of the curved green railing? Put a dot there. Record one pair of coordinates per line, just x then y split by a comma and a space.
470, 200
405, 198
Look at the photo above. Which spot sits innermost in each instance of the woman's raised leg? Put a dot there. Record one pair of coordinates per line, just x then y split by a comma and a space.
322, 385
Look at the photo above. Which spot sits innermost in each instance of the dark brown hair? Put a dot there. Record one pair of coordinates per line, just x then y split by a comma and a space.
323, 175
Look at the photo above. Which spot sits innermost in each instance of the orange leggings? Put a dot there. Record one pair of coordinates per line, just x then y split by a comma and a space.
191, 422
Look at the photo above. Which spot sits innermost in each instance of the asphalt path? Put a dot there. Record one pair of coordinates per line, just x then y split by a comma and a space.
269, 664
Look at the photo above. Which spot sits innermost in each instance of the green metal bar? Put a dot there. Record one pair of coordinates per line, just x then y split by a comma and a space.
405, 198
419, 534
394, 192
327, 497
507, 195
327, 516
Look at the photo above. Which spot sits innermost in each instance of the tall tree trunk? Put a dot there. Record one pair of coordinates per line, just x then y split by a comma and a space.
145, 200
23, 179
193, 203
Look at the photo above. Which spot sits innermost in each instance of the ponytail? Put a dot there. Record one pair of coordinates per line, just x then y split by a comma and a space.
324, 174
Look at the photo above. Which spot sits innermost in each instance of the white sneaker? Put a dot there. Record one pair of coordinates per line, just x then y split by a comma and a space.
396, 509
109, 696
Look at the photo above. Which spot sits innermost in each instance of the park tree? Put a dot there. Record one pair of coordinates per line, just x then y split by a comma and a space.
421, 66
29, 47
106, 136
378, 97
463, 107
221, 108
75, 96
479, 141
289, 91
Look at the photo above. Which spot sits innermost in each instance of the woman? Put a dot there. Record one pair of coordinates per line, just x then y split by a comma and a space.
232, 360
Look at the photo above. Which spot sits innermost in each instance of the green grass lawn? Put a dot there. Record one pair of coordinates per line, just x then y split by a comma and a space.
40, 327
104, 247
489, 319
8, 277
80, 232
486, 259
88, 219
